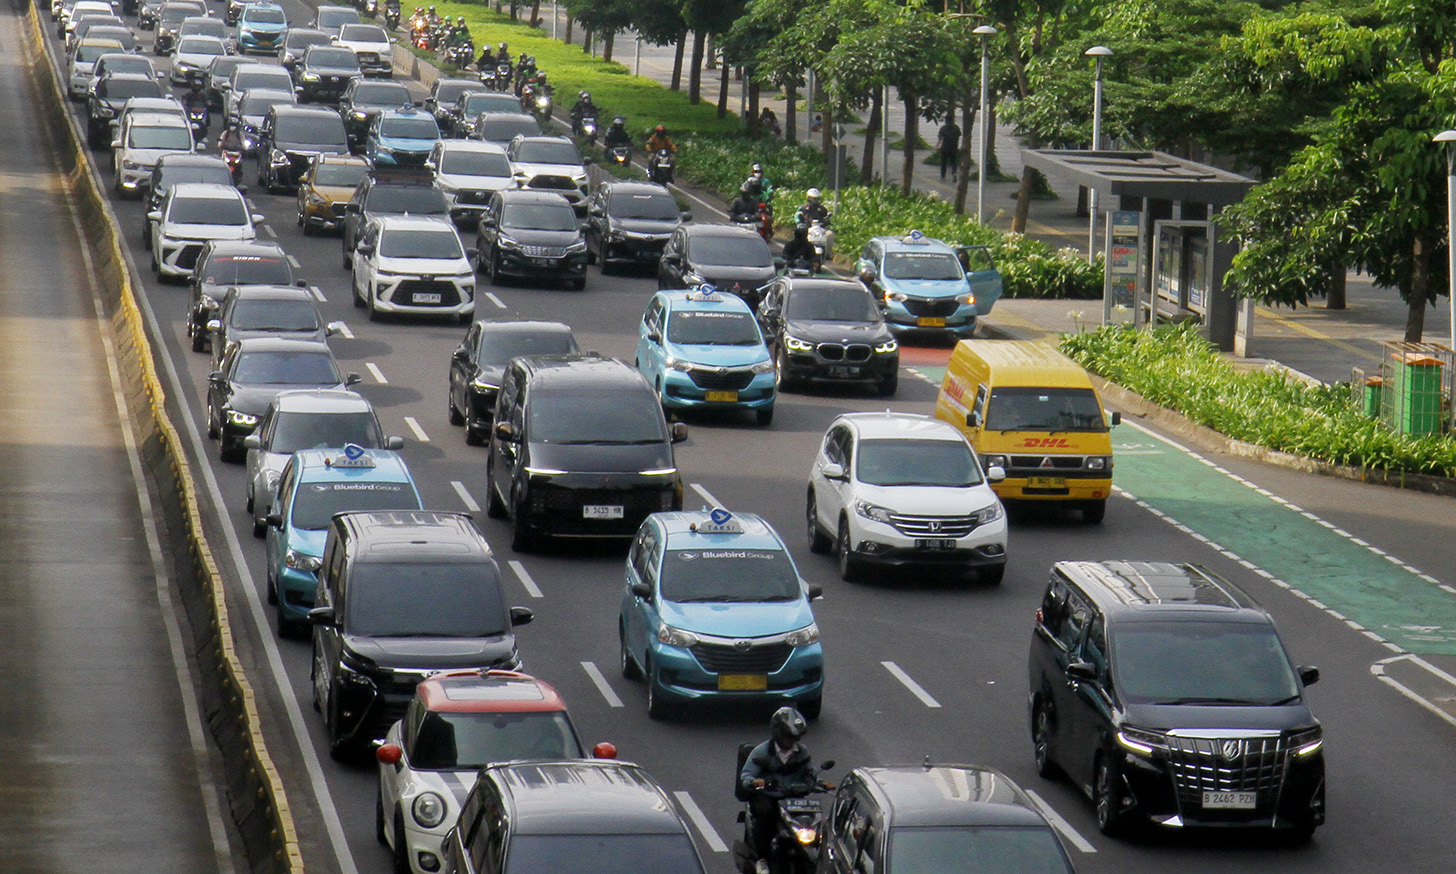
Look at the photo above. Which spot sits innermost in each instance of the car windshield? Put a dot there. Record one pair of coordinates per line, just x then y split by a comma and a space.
710, 328
486, 101
265, 15
1019, 408
124, 89
1192, 662
902, 462
275, 315
295, 431
539, 217
302, 39
593, 417
499, 347
656, 207
256, 104
837, 304
461, 163
337, 17
328, 56
172, 137
443, 243
412, 199
729, 251
603, 854
201, 45
975, 850
314, 504
381, 94
922, 265
363, 33
286, 368
247, 270
729, 575
420, 127
340, 175
325, 131
174, 15
425, 599
548, 152
209, 211
469, 741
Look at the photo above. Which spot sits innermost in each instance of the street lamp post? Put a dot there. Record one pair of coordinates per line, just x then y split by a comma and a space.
985, 31
1098, 53
1449, 138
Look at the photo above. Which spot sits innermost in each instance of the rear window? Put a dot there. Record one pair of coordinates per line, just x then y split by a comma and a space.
602, 854
976, 850
412, 199
247, 270
295, 431
467, 741
312, 130
474, 164
207, 210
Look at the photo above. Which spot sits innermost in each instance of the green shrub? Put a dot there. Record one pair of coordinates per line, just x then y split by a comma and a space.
721, 163
1174, 367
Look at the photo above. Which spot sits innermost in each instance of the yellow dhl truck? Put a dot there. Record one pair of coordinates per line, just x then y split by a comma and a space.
1033, 412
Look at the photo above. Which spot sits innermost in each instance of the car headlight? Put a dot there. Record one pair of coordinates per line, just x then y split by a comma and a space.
237, 417
616, 236
105, 111
872, 511
658, 471
763, 367
578, 246
359, 116
1141, 741
887, 346
794, 344
544, 471
505, 242
1098, 462
130, 165
669, 636
278, 157
988, 514
897, 296
966, 299
310, 77
678, 364
316, 199
693, 277
806, 835
1304, 743
301, 562
428, 809
804, 636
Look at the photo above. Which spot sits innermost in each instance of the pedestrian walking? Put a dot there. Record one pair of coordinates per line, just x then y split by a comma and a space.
949, 144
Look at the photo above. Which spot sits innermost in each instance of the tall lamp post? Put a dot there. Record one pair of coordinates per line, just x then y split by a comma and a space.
1449, 138
985, 32
1098, 53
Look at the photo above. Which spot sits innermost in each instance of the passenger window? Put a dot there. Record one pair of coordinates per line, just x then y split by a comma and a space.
486, 854
469, 822
1078, 615
1094, 649
865, 829
980, 408
831, 446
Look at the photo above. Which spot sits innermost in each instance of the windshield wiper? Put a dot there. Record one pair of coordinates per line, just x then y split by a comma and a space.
1209, 700
717, 599
610, 442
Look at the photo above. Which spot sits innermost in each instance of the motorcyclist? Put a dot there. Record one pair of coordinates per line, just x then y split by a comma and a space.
460, 35
583, 106
194, 101
813, 209
617, 134
432, 17
744, 207
799, 249
780, 767
503, 55
660, 140
759, 184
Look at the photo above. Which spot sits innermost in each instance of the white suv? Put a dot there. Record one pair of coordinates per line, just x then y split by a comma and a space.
551, 164
902, 490
408, 264
143, 138
191, 214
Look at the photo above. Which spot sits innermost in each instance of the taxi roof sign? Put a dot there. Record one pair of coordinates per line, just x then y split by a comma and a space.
913, 238
719, 521
354, 455
705, 293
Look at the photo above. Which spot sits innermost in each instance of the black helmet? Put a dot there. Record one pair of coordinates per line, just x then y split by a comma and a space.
432, 10
787, 726
618, 121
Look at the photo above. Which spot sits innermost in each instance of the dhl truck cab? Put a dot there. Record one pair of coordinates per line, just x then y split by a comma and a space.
1032, 411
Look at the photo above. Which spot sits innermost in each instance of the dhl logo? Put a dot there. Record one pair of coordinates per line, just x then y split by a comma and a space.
1046, 443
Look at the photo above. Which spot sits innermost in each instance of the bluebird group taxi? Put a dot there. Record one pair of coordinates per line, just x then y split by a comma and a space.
316, 484
702, 349
921, 285
715, 610
403, 137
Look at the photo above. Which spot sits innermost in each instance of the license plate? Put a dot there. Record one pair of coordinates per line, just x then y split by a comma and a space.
844, 371
1046, 482
544, 262
426, 297
935, 544
601, 511
724, 396
930, 322
742, 682
1230, 800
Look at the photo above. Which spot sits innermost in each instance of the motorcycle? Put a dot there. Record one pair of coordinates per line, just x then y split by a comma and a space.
234, 159
586, 127
542, 105
502, 76
798, 833
752, 221
617, 156
660, 165
197, 116
371, 8
460, 54
822, 239
391, 14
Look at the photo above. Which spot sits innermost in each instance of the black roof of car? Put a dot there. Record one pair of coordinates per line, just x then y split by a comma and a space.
719, 230
534, 325
283, 344
254, 248
633, 186
572, 371
524, 195
583, 796
949, 795
848, 286
299, 110
270, 292
414, 535
1153, 589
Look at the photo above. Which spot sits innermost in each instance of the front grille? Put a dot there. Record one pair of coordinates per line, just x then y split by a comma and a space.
1036, 462
934, 308
544, 251
856, 352
187, 258
472, 196
764, 658
631, 500
405, 291
1200, 764
937, 527
339, 209
552, 183
733, 380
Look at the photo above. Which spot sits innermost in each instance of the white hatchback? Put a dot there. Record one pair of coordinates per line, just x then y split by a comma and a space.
898, 490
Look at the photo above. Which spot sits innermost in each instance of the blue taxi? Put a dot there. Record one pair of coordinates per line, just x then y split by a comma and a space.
714, 609
316, 484
924, 285
702, 349
261, 27
402, 137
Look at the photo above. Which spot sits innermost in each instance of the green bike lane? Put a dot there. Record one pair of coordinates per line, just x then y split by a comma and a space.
1335, 570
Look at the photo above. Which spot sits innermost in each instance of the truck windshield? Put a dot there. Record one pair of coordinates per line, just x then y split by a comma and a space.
1022, 408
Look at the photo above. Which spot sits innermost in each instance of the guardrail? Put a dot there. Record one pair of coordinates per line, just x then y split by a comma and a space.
256, 797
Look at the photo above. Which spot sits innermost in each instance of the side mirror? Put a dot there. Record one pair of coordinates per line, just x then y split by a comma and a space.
213, 326
686, 215
868, 273
487, 221
258, 218
352, 378
388, 754
973, 419
996, 473
1308, 674
395, 443
604, 750
418, 103
364, 250
583, 225
1115, 419
215, 376
654, 336
155, 215
333, 328
642, 590
505, 431
301, 283
587, 160
779, 263
252, 441
351, 207
324, 616
596, 210
833, 471
1082, 672
679, 432
522, 616
472, 253
242, 189
816, 592
275, 520
826, 765
461, 354
116, 143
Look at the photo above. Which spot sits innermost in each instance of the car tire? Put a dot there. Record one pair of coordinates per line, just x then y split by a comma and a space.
260, 527
354, 293
819, 542
374, 313
1041, 741
658, 705
147, 236
781, 372
340, 750
229, 452
347, 256
991, 576
630, 669
495, 268
452, 412
212, 428
888, 385
199, 338
379, 817
473, 437
810, 707
156, 266
288, 629
522, 540
1107, 797
763, 416
272, 594
401, 849
848, 564
1094, 511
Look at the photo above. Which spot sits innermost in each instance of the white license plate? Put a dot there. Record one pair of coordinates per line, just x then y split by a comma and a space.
601, 511
1230, 800
844, 370
544, 262
935, 544
425, 297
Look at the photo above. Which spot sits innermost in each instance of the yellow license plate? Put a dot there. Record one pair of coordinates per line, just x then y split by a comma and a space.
930, 322
742, 682
1046, 482
728, 396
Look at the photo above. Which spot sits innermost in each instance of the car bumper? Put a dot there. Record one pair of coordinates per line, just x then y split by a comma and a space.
324, 215
177, 258
1298, 800
135, 178
960, 322
884, 545
813, 367
423, 845
632, 250
564, 506
259, 42
434, 297
571, 266
1058, 488
296, 589
680, 392
678, 671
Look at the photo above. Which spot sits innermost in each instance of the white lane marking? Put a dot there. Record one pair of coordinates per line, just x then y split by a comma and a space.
490, 295
1060, 824
374, 372
465, 497
293, 262
707, 496
1378, 669
415, 427
915, 688
525, 577
601, 683
345, 332
318, 294
268, 229
700, 820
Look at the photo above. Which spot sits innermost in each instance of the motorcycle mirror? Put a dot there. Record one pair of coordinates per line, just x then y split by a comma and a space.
587, 159
826, 765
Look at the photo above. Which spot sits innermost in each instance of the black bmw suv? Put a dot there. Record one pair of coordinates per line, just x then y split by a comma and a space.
1165, 692
828, 331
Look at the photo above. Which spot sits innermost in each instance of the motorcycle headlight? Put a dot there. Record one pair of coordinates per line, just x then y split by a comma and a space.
428, 809
278, 158
300, 562
804, 636
794, 344
872, 511
241, 419
359, 116
669, 636
543, 102
806, 835
887, 346
105, 111
988, 514
763, 367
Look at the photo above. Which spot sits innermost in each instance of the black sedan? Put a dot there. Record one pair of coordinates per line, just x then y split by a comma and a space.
253, 372
224, 264
829, 331
630, 222
325, 72
479, 364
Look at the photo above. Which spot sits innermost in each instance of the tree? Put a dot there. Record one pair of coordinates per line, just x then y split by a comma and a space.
604, 17
660, 22
704, 17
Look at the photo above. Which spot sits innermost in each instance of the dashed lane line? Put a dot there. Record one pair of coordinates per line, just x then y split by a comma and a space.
293, 262
415, 427
345, 332
700, 821
318, 294
601, 683
707, 496
915, 688
1060, 824
525, 577
490, 296
465, 497
268, 229
374, 372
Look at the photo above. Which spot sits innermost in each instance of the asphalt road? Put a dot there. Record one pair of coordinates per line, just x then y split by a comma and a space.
963, 647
